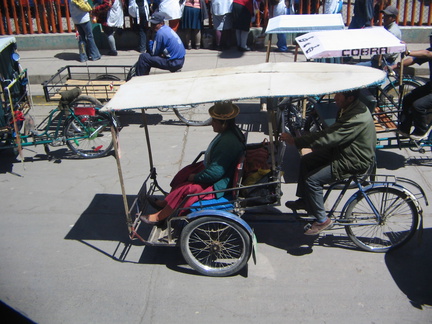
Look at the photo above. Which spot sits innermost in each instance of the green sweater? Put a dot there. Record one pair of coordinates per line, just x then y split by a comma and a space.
221, 160
351, 140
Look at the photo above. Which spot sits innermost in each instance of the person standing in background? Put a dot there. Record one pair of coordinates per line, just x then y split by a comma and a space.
194, 13
142, 22
172, 10
332, 6
86, 42
222, 22
110, 14
363, 14
242, 13
282, 7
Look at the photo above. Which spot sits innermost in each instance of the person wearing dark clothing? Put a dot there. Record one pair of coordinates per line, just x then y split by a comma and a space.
215, 173
417, 105
345, 148
363, 14
144, 13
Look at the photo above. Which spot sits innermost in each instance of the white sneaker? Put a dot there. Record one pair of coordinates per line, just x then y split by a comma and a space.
421, 137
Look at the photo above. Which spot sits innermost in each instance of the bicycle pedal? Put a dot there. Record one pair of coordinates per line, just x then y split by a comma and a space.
307, 227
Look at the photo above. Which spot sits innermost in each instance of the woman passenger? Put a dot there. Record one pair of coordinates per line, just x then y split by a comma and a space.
212, 174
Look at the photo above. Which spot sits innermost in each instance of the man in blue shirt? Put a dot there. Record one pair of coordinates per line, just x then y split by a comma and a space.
166, 51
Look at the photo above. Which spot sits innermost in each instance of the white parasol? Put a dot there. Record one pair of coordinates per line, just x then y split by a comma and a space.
349, 42
303, 23
241, 82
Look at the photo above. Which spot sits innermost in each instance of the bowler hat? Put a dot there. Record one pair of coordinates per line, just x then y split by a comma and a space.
224, 110
391, 11
157, 18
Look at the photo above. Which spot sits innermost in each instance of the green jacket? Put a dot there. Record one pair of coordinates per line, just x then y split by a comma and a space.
222, 159
351, 139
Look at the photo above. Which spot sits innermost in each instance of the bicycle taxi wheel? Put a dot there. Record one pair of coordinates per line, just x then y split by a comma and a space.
391, 93
399, 219
88, 133
194, 115
215, 246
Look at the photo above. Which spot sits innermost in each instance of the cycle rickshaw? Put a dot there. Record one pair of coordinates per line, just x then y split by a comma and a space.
383, 101
76, 122
214, 236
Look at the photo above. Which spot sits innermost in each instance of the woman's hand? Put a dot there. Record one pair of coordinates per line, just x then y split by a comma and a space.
287, 138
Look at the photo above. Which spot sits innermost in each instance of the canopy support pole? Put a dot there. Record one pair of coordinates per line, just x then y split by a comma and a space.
153, 174
114, 134
271, 130
268, 48
149, 150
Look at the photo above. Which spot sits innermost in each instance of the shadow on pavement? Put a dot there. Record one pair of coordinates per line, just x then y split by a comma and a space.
411, 268
10, 315
389, 160
8, 158
420, 161
285, 231
104, 220
134, 117
68, 56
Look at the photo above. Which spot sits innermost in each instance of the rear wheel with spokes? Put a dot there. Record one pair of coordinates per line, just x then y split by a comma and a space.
215, 246
88, 134
397, 224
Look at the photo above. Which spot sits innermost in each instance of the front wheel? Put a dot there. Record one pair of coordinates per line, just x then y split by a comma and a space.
215, 246
397, 224
89, 134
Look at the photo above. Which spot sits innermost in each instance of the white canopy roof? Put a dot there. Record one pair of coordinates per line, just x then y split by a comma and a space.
6, 41
304, 23
241, 82
349, 42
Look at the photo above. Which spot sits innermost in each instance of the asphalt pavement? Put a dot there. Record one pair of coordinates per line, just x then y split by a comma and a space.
62, 233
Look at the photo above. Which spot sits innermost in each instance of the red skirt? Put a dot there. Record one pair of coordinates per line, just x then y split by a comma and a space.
181, 187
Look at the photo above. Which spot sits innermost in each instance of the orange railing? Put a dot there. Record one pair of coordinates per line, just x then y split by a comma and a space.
52, 16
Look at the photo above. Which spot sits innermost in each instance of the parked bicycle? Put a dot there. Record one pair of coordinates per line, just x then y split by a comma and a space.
76, 122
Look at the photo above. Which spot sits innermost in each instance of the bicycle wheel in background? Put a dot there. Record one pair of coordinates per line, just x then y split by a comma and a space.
399, 219
297, 112
194, 115
391, 93
88, 134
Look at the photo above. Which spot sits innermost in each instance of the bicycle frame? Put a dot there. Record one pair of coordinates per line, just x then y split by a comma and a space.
355, 182
45, 137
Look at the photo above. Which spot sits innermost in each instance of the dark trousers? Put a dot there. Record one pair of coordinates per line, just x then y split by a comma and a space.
415, 107
315, 172
146, 62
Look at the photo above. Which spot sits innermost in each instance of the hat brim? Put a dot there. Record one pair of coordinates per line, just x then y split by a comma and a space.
234, 113
155, 22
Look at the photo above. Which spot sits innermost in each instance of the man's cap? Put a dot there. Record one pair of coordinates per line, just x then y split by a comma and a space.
391, 11
157, 18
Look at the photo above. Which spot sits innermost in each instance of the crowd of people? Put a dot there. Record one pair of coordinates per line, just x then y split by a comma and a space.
230, 19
